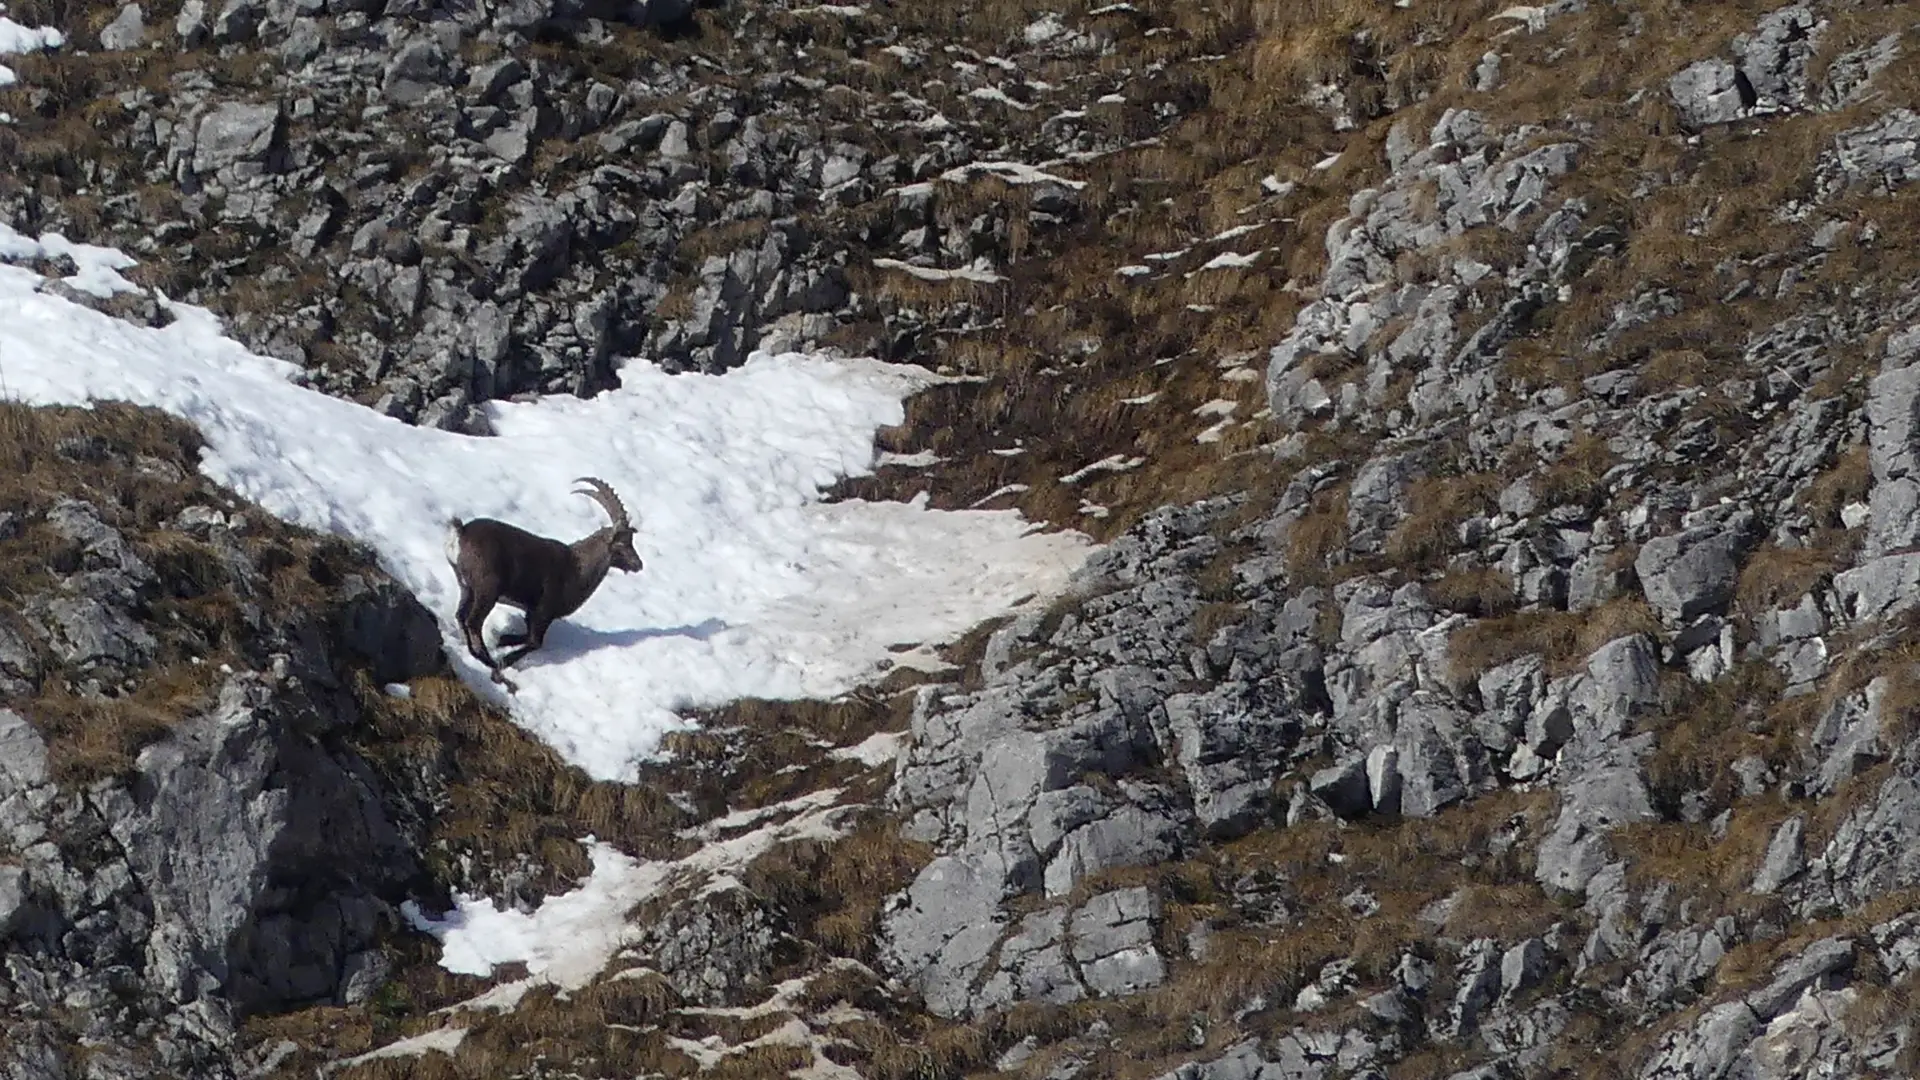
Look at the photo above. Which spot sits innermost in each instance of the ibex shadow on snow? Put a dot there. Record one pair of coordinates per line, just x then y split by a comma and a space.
498, 563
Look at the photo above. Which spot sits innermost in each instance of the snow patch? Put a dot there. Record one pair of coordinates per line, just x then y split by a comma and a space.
569, 938
1229, 260
753, 586
98, 270
15, 38
929, 273
919, 459
1044, 29
995, 94
444, 1041
1111, 463
1012, 172
874, 751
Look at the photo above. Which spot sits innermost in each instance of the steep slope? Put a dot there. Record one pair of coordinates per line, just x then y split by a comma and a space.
1501, 418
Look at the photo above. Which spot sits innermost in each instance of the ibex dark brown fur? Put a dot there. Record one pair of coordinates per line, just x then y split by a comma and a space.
498, 563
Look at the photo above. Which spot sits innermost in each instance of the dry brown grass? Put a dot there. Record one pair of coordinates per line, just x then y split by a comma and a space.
1716, 872
1574, 476
833, 890
1564, 638
89, 739
1847, 481
1702, 729
1317, 538
1752, 963
1406, 865
1482, 593
1776, 577
1437, 505
1882, 1006
506, 795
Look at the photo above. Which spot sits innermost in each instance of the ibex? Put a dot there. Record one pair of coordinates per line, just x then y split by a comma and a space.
498, 563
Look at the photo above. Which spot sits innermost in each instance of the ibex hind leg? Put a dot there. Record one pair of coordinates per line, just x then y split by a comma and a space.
472, 615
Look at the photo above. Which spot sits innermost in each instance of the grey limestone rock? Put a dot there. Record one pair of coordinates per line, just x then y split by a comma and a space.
1377, 500
418, 69
1692, 573
1769, 71
128, 30
13, 898
84, 631
23, 756
941, 931
1476, 986
236, 134
19, 664
238, 21
1344, 787
384, 625
1881, 155
191, 23
1893, 453
228, 806
1708, 92
1113, 942
1851, 74
1034, 965
1523, 966
1879, 589
1130, 836
1848, 739
716, 951
1606, 791
1785, 857
1868, 855
1723, 1041
1229, 747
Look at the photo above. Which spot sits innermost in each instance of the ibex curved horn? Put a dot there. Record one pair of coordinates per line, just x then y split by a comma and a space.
603, 494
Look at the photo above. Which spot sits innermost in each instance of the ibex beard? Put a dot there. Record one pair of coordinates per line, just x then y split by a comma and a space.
497, 563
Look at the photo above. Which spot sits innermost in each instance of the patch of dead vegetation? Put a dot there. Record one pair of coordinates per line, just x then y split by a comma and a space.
831, 891
1437, 506
1565, 639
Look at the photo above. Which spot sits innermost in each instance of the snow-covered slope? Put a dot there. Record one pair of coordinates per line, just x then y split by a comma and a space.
753, 586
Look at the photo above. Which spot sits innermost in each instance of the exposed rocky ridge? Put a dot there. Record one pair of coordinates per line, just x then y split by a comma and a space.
1543, 710
1080, 759
189, 836
433, 207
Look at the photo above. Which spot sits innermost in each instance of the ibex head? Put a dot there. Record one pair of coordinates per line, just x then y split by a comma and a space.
620, 553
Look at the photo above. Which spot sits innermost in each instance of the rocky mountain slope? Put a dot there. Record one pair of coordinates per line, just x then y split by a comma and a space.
1501, 420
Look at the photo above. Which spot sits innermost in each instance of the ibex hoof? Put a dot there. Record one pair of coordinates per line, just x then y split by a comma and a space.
501, 678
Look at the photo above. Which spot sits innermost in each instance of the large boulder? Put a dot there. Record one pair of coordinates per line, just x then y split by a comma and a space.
1693, 572
244, 137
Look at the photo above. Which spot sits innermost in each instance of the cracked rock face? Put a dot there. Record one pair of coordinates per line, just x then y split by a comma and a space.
243, 860
1105, 740
181, 882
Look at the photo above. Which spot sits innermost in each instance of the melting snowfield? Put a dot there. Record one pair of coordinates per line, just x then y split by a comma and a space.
753, 587
15, 38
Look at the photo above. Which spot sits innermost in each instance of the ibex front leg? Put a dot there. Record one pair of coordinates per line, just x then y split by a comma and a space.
536, 636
